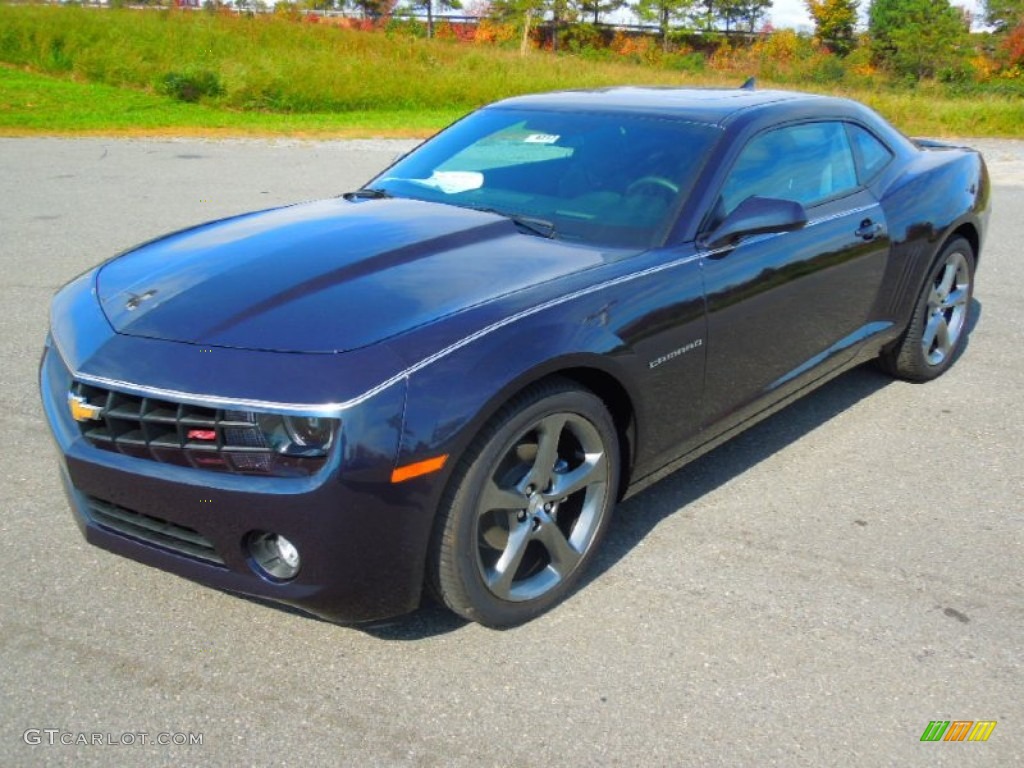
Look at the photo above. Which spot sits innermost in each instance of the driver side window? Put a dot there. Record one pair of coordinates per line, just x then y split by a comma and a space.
806, 163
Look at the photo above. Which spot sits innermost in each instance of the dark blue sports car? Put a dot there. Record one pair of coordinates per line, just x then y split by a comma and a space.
445, 380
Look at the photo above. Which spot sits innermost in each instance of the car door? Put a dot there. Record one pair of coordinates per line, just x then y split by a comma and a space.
785, 308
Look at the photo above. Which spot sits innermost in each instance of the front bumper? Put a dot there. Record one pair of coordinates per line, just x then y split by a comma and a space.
362, 540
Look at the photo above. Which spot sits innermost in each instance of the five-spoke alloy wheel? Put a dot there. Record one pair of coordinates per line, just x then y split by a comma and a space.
938, 328
527, 506
946, 310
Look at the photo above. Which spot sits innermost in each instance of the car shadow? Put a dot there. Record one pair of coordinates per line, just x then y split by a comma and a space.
972, 322
429, 620
638, 515
972, 319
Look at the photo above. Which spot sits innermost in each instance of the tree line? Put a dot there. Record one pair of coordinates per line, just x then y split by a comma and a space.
912, 39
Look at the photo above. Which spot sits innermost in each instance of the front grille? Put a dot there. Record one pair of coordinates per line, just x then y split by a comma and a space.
216, 439
153, 530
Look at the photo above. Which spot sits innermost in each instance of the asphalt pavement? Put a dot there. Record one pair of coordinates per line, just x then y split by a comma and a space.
814, 593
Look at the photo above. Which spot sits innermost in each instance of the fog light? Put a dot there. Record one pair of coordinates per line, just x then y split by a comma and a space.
274, 555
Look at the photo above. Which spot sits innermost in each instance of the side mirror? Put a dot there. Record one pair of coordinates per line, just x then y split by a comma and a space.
756, 216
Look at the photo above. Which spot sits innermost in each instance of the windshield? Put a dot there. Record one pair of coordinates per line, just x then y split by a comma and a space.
602, 179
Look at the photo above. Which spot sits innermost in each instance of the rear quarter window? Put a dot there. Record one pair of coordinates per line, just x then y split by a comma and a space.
872, 154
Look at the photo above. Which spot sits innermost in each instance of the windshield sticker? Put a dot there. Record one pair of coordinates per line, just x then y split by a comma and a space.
541, 138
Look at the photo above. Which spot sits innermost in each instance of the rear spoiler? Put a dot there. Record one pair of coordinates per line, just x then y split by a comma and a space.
933, 144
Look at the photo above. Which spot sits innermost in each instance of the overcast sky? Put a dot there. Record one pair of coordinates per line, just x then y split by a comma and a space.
793, 13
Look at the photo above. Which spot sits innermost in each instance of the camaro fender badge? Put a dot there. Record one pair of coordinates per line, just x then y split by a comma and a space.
82, 409
676, 353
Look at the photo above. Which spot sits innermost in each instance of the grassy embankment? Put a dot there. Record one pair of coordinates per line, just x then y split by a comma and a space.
77, 70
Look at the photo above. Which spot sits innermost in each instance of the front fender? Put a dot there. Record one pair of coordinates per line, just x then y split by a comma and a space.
452, 398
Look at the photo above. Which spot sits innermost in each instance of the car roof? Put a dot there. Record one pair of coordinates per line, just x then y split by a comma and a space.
705, 105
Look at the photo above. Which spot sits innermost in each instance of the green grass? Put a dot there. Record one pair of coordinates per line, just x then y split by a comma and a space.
925, 112
31, 103
285, 66
80, 70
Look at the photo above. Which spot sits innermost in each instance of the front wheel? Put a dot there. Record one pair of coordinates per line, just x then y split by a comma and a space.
938, 328
527, 507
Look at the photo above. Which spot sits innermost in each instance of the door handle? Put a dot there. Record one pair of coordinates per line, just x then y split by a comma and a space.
869, 230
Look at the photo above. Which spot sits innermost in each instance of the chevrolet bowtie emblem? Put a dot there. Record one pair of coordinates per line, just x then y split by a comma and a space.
81, 409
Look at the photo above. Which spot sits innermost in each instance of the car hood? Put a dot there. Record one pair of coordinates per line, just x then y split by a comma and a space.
327, 276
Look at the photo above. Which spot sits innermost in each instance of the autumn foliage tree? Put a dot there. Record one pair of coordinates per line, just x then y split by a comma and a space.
525, 14
435, 5
1012, 48
834, 23
1007, 18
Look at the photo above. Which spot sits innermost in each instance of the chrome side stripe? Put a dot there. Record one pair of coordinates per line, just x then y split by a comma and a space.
334, 408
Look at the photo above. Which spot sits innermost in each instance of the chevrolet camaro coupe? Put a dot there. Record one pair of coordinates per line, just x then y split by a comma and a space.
444, 381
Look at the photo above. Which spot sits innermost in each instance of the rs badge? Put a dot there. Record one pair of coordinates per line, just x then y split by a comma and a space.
81, 409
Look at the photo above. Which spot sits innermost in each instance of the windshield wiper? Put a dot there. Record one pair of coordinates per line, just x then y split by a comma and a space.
533, 225
367, 193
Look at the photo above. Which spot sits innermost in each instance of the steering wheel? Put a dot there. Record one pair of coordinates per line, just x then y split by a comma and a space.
659, 182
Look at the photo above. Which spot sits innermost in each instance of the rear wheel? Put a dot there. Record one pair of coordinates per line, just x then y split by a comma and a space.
938, 328
527, 507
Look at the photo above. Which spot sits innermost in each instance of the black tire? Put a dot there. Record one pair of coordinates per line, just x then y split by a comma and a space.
938, 328
527, 506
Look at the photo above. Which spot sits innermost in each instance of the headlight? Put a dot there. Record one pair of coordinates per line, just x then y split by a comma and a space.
309, 431
307, 436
